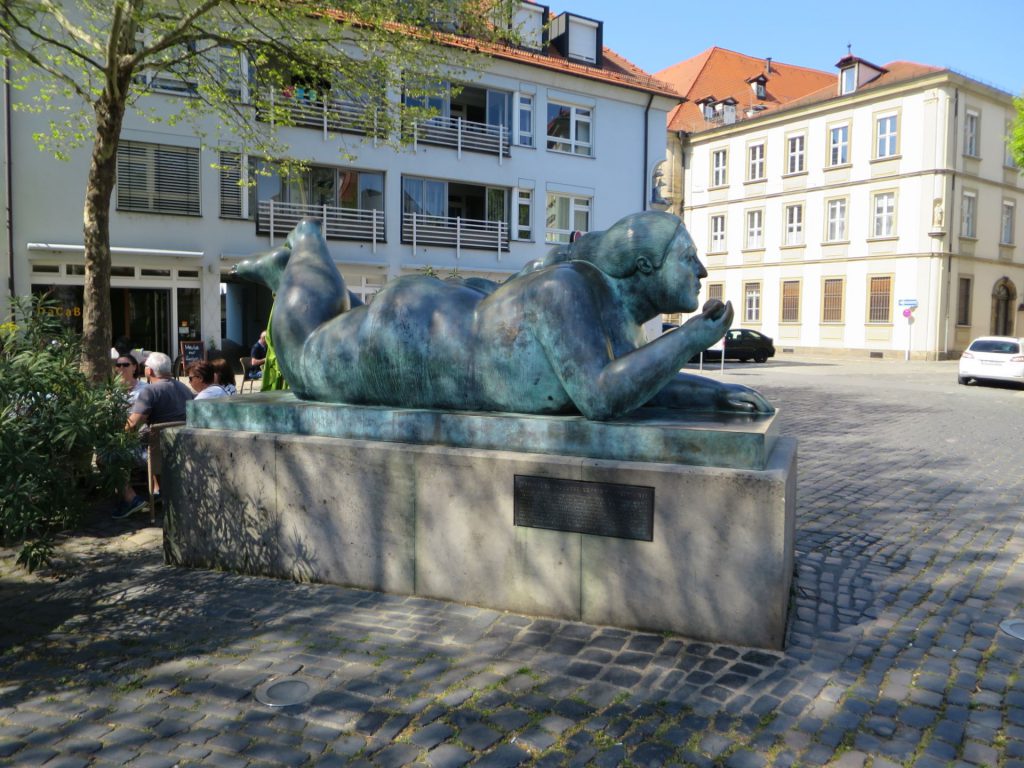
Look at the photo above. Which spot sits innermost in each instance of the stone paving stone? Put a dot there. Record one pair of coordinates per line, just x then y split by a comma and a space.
448, 756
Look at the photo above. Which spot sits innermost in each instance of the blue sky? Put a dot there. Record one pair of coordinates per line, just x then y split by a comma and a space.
979, 38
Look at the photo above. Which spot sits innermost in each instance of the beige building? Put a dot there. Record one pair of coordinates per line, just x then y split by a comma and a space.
824, 216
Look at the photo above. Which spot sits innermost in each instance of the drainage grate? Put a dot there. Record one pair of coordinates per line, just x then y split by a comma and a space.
1014, 628
284, 692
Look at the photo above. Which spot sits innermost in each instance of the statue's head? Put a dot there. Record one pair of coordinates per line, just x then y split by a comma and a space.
652, 245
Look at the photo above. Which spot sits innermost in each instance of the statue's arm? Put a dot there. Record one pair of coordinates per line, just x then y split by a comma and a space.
688, 391
605, 387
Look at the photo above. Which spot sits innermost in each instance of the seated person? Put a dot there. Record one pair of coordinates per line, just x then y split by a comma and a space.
258, 356
224, 376
125, 367
162, 401
560, 339
200, 378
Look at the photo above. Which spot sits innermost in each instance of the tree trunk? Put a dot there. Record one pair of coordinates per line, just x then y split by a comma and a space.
97, 330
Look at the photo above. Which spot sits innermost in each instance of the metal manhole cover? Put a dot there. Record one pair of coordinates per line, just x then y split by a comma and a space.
1014, 628
284, 692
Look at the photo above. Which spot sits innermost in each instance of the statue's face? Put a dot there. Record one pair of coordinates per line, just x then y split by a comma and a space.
678, 279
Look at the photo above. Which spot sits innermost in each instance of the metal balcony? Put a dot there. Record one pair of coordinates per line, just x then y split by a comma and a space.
455, 232
277, 219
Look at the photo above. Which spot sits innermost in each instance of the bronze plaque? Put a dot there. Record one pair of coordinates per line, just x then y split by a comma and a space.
575, 506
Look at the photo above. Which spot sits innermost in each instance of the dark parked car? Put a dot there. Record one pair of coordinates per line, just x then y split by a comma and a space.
743, 344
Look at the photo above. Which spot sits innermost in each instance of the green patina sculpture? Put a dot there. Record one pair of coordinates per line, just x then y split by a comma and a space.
562, 336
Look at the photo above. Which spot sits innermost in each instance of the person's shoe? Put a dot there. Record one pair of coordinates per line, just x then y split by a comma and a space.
138, 504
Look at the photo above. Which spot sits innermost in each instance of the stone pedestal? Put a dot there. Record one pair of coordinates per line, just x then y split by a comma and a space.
439, 520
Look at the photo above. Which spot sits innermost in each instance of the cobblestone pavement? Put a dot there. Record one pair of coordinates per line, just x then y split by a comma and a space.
909, 555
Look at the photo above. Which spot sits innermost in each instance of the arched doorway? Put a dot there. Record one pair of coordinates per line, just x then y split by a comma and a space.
1004, 302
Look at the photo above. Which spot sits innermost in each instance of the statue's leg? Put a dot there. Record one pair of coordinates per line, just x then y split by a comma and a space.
311, 291
265, 268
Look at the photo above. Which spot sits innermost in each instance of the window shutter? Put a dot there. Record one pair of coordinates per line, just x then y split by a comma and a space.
158, 178
230, 191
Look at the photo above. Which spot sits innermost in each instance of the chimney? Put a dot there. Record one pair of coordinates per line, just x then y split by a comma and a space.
768, 65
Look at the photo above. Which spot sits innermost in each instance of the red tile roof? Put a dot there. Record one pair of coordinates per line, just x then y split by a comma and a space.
723, 73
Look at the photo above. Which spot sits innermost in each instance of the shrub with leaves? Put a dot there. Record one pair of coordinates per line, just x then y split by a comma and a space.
62, 438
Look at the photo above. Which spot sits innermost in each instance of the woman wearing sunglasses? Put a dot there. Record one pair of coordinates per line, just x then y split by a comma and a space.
127, 374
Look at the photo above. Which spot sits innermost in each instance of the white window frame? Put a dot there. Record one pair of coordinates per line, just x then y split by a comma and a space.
883, 206
1006, 223
796, 153
716, 226
719, 167
847, 80
755, 229
578, 116
755, 162
525, 109
972, 124
578, 205
887, 135
752, 301
839, 145
794, 224
969, 214
522, 201
835, 220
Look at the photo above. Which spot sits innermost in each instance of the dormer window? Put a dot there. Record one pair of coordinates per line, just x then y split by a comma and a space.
848, 80
759, 89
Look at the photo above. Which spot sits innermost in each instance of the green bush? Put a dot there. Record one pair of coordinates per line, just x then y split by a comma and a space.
54, 424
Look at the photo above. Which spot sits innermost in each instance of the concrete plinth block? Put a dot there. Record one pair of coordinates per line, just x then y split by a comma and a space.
468, 549
348, 507
720, 565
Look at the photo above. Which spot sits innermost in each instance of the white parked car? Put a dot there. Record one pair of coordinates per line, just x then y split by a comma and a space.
993, 357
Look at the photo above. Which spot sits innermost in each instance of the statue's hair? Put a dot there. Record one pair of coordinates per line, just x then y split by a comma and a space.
160, 364
615, 250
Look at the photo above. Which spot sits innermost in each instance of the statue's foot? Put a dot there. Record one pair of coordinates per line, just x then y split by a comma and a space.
266, 268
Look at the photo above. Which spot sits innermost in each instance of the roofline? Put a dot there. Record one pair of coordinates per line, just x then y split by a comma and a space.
858, 96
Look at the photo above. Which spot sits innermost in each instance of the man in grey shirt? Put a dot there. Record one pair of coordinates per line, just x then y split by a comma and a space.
162, 401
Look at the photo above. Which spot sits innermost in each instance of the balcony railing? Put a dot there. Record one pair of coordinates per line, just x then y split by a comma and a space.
422, 229
277, 219
323, 113
463, 135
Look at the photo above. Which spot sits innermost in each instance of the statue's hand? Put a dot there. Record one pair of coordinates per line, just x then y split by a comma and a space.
736, 397
711, 324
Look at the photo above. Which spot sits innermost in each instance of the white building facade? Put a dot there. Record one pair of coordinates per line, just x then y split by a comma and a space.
557, 136
825, 220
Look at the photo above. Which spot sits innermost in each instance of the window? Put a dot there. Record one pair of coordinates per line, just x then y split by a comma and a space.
885, 133
755, 168
524, 135
524, 214
716, 291
880, 299
232, 200
566, 214
759, 89
969, 215
836, 218
795, 154
795, 224
1007, 152
790, 301
752, 302
971, 119
848, 80
719, 168
157, 178
884, 224
1006, 223
755, 229
963, 301
569, 129
839, 145
832, 300
717, 233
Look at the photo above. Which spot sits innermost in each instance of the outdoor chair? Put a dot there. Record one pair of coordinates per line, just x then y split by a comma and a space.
155, 462
247, 375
